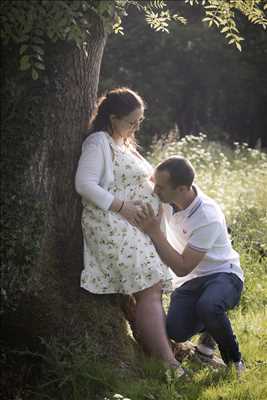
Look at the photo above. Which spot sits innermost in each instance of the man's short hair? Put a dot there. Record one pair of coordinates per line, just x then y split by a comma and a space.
180, 170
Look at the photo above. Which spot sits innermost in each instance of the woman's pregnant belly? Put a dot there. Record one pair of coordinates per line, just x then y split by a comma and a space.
146, 195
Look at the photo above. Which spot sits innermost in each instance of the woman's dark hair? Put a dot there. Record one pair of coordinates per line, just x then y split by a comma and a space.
119, 102
180, 170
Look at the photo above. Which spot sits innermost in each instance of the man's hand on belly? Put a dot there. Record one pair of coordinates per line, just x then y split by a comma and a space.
130, 210
148, 221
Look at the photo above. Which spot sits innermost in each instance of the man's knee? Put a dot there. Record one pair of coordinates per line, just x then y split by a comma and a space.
207, 309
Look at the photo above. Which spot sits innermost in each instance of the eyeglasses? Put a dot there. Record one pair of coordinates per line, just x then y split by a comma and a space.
136, 122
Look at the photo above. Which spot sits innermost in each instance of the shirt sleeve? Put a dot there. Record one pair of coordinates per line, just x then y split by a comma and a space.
204, 237
89, 172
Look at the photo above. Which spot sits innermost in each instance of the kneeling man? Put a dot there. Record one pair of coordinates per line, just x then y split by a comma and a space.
199, 251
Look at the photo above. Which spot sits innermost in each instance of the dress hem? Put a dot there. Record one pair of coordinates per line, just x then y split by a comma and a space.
165, 290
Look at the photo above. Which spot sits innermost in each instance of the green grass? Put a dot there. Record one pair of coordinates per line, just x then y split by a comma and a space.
237, 179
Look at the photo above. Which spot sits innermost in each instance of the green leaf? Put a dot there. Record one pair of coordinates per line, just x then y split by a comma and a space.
211, 6
23, 48
238, 45
25, 62
24, 38
35, 74
40, 58
38, 32
38, 49
38, 40
39, 65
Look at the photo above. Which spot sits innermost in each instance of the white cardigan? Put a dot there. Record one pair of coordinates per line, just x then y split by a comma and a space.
95, 170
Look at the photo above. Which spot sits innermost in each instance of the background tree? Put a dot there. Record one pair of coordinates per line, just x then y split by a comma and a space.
51, 57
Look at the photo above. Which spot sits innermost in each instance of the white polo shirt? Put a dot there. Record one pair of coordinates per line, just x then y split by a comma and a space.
202, 226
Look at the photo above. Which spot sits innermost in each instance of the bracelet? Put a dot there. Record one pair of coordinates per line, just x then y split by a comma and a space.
122, 204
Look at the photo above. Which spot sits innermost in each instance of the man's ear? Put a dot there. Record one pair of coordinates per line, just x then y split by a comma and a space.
182, 188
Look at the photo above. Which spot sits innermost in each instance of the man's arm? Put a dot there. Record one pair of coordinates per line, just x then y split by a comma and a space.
181, 264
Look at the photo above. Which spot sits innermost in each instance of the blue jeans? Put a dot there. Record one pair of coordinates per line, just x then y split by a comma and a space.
200, 305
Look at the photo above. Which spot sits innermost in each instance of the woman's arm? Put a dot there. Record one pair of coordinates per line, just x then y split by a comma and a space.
89, 172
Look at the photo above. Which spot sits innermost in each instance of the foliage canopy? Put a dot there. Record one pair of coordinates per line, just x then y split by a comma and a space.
30, 23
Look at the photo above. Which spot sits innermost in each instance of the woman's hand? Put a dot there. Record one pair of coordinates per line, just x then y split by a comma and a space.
130, 210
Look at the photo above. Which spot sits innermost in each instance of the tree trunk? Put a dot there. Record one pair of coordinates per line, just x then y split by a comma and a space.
43, 125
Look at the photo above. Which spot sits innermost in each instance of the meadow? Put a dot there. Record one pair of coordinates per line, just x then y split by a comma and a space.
237, 178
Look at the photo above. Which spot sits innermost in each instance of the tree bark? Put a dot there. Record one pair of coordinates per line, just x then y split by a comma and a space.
44, 124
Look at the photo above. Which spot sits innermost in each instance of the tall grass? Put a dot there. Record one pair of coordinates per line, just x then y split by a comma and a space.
237, 179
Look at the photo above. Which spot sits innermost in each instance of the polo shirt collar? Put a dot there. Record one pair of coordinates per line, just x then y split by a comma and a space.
192, 208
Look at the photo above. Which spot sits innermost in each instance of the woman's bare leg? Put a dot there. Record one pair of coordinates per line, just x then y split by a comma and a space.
128, 306
150, 324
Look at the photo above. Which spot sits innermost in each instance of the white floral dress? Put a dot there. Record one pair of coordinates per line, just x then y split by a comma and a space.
118, 258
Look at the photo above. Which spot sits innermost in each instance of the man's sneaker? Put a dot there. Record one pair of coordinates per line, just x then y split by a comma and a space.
204, 351
212, 360
206, 344
240, 368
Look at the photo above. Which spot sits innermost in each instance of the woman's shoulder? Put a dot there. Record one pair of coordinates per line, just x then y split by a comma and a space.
95, 138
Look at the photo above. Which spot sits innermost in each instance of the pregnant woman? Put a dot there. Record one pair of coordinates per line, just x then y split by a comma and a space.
113, 179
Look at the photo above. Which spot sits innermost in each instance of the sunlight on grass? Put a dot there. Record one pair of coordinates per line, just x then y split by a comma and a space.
251, 328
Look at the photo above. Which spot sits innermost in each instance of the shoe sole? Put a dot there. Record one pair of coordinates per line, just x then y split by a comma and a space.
214, 361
